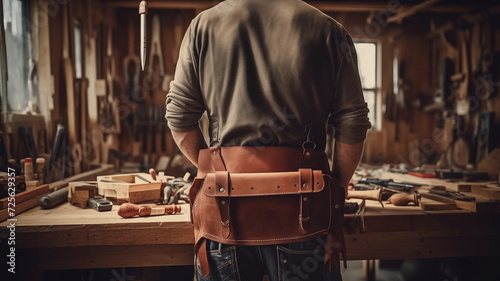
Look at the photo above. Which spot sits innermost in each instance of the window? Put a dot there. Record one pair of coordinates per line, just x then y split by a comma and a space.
367, 64
22, 90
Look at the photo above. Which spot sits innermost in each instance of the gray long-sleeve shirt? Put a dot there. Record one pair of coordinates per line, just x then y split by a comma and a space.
264, 70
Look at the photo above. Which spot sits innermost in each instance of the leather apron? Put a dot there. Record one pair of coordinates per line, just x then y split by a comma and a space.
266, 195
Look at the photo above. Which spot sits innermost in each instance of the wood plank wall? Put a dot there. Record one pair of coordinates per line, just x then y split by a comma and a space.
170, 20
416, 141
420, 139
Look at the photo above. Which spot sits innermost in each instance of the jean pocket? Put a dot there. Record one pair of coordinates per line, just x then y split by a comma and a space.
222, 265
301, 264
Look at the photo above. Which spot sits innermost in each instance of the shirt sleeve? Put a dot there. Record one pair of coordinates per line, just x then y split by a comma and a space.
184, 101
348, 109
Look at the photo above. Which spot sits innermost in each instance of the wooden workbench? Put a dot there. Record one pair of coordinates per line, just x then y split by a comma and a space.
70, 237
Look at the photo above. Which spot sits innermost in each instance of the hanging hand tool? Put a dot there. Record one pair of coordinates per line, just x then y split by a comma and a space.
131, 68
133, 89
143, 11
59, 171
155, 76
28, 141
154, 124
156, 51
111, 111
153, 112
71, 99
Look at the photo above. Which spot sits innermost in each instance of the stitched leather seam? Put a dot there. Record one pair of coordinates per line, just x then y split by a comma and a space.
223, 250
264, 240
258, 194
300, 252
214, 188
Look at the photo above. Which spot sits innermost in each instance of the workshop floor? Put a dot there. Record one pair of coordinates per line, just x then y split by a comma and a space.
450, 269
354, 272
469, 269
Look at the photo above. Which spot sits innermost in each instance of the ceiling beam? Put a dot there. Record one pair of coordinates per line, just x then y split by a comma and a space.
161, 4
323, 6
413, 10
370, 6
471, 18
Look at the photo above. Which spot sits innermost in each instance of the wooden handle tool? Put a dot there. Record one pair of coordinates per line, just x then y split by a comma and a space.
364, 194
400, 199
152, 172
128, 210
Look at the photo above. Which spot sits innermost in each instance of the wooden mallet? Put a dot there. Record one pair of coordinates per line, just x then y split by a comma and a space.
401, 199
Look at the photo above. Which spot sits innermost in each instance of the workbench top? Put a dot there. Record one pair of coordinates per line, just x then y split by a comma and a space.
70, 237
67, 225
67, 214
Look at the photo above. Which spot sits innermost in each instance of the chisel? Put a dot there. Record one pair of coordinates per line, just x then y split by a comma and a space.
143, 11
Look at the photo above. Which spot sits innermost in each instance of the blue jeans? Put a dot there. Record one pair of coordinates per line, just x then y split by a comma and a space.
290, 262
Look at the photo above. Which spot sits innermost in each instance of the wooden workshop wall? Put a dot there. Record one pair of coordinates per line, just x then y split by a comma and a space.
403, 130
96, 107
84, 150
479, 69
404, 126
408, 133
419, 130
47, 21
174, 23
93, 107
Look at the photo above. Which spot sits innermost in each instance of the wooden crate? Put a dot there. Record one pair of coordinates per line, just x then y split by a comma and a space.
129, 188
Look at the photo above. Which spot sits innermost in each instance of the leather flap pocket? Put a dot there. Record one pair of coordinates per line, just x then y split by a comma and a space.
263, 184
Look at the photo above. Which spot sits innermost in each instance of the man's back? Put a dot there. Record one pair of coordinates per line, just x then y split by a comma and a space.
264, 70
269, 73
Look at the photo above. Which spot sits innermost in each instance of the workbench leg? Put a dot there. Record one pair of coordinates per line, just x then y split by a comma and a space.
27, 266
369, 267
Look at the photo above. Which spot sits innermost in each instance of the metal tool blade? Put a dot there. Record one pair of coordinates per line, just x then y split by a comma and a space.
143, 11
143, 41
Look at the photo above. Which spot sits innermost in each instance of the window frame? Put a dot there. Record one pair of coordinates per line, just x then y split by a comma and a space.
377, 125
13, 119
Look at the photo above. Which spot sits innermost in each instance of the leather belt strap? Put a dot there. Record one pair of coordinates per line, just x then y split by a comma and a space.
200, 251
222, 185
306, 184
222, 188
217, 162
263, 184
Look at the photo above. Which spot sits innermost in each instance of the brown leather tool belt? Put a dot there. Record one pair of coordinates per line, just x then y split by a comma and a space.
263, 196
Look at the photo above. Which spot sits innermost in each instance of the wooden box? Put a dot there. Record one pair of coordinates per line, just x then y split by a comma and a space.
129, 188
80, 192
